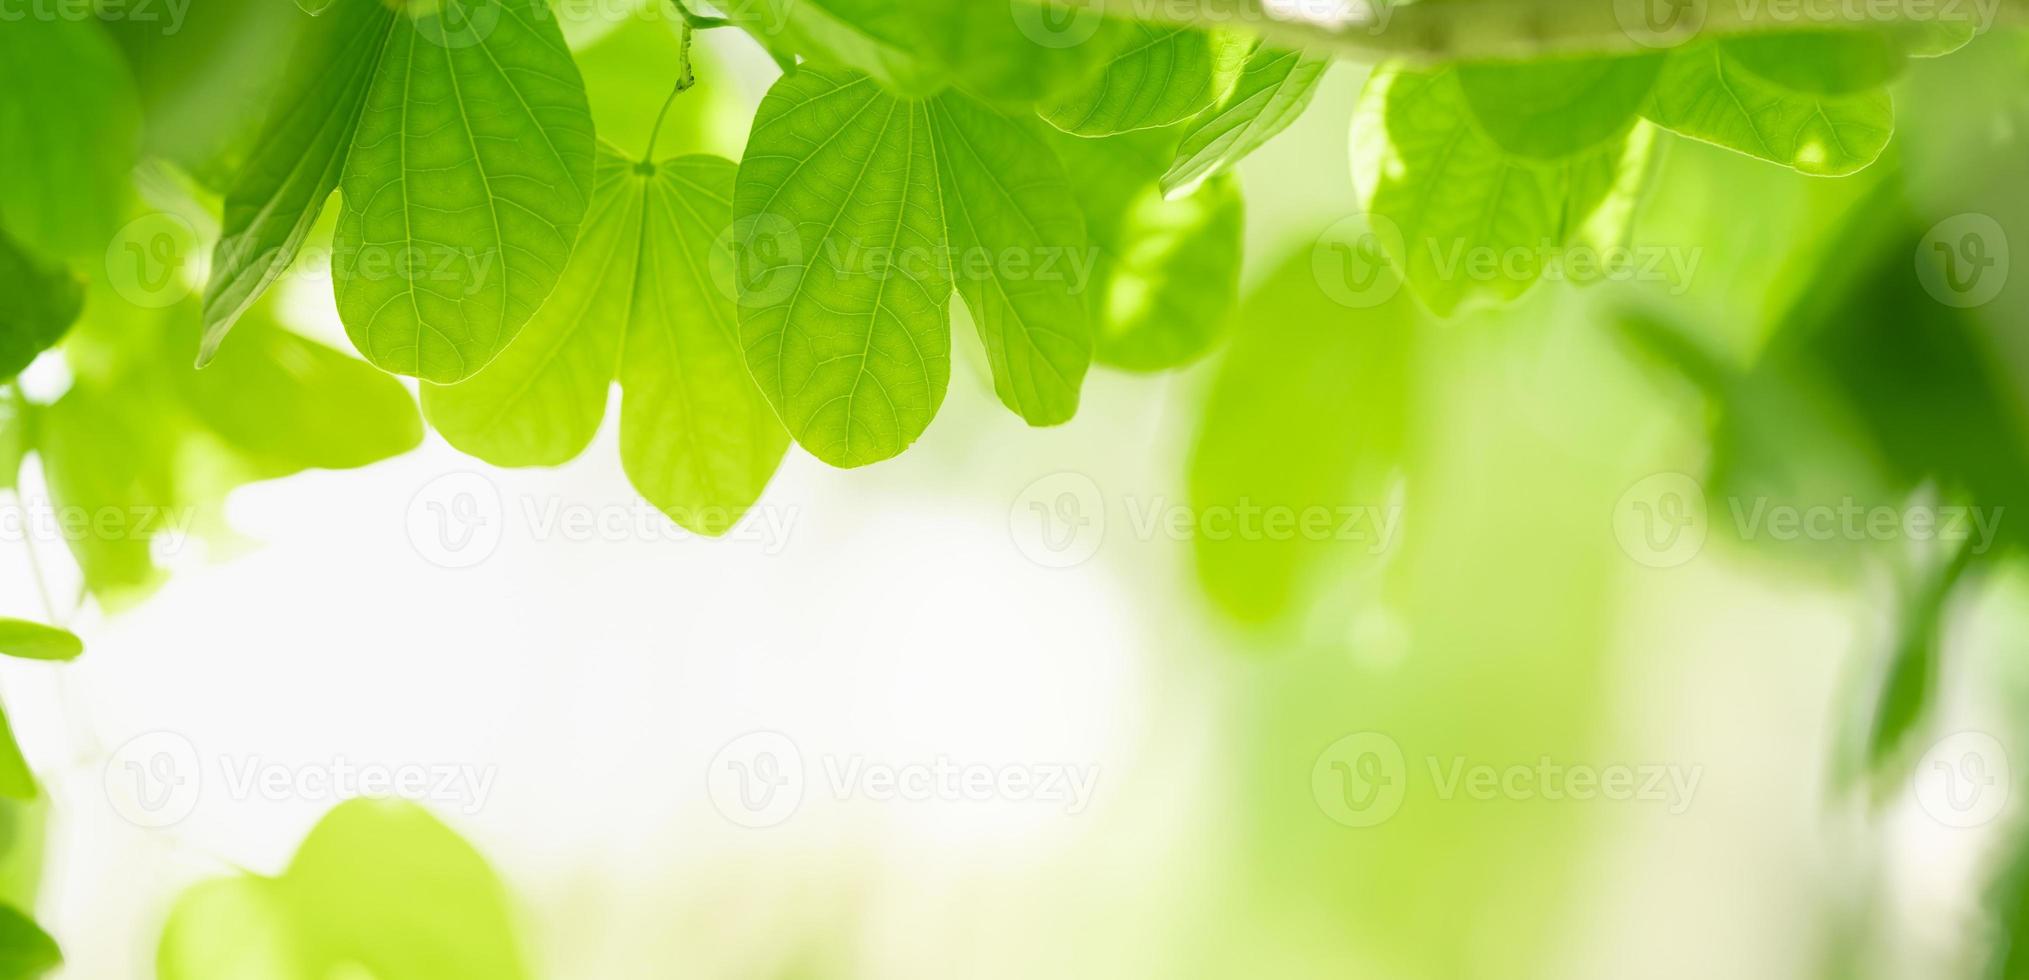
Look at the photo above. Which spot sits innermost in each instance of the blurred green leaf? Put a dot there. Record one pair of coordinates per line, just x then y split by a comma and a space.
1307, 416
69, 130
34, 641
38, 303
26, 952
378, 888
1551, 110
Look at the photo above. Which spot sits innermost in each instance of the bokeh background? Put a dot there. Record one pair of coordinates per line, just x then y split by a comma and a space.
1816, 733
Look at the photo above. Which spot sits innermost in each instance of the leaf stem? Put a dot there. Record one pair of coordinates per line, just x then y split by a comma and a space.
685, 78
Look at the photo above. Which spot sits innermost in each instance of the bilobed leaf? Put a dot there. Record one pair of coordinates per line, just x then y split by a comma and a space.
1273, 90
1474, 219
637, 300
1017, 239
1707, 91
34, 641
296, 160
466, 181
38, 303
378, 888
1167, 75
540, 402
696, 436
70, 128
844, 297
26, 952
1167, 271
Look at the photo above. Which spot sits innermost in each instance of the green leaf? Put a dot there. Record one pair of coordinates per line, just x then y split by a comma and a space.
1309, 410
696, 437
1168, 270
1167, 76
1549, 110
378, 889
287, 403
1014, 51
26, 952
38, 303
1707, 91
142, 448
1273, 90
70, 123
1464, 220
34, 641
844, 299
295, 162
1821, 62
854, 213
464, 187
638, 300
16, 781
1018, 240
